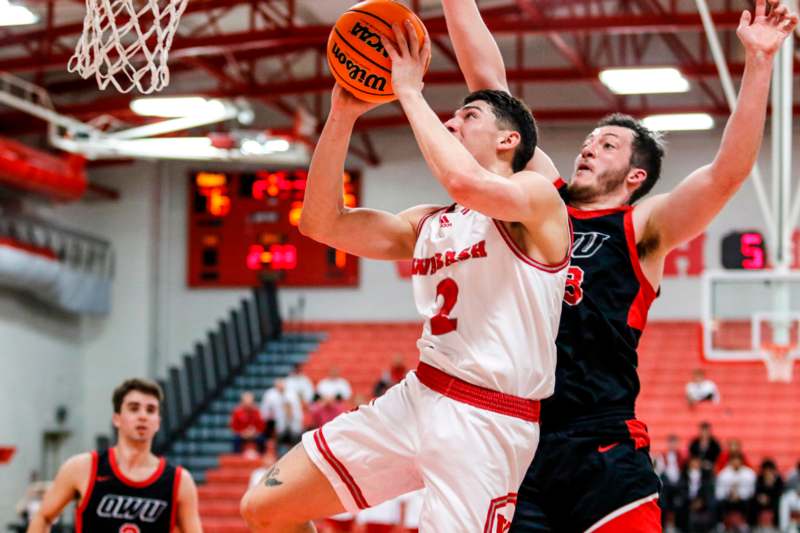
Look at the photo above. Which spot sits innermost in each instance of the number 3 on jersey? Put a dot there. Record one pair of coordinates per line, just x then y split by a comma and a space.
573, 294
441, 323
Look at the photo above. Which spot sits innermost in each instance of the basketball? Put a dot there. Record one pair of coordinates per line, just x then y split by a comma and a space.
356, 56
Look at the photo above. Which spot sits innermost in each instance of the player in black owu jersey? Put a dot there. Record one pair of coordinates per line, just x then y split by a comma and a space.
126, 489
592, 470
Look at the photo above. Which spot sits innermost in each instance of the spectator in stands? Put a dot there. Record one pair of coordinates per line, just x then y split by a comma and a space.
696, 509
247, 424
334, 386
769, 489
701, 389
789, 514
282, 406
299, 384
391, 376
669, 466
793, 479
324, 410
736, 485
734, 446
705, 446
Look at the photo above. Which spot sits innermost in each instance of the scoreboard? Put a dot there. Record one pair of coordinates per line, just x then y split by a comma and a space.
243, 227
744, 250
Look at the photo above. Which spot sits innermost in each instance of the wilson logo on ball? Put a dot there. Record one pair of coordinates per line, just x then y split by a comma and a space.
356, 73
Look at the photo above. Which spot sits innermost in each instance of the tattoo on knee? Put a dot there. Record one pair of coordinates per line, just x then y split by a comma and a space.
271, 479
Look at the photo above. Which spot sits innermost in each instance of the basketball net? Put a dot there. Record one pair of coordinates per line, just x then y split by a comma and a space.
779, 361
126, 43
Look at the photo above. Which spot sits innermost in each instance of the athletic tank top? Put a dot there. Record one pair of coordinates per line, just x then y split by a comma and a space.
115, 504
606, 302
491, 312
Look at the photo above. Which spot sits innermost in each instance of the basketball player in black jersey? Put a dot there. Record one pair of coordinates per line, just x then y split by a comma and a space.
126, 489
592, 471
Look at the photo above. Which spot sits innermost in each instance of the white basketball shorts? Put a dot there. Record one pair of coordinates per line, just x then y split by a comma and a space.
469, 447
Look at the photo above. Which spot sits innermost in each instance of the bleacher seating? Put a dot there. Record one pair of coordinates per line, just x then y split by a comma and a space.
761, 414
206, 448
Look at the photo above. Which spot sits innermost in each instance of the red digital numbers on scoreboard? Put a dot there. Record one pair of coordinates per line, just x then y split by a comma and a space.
744, 250
243, 226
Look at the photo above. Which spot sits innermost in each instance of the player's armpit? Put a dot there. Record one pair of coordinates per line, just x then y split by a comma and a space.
372, 233
671, 219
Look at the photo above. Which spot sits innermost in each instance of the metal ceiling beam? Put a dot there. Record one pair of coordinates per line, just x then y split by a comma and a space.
279, 41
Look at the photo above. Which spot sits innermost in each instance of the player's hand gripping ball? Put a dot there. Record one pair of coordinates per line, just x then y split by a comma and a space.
356, 55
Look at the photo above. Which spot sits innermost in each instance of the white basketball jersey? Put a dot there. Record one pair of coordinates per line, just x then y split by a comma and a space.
491, 312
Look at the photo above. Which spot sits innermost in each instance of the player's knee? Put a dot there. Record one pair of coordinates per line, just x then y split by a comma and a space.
255, 510
261, 511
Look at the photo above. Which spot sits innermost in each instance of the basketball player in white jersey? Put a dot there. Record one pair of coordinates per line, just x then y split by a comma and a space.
488, 276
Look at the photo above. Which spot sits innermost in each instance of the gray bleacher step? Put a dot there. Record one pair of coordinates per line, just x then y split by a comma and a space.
201, 433
291, 358
224, 407
213, 448
210, 420
258, 383
194, 463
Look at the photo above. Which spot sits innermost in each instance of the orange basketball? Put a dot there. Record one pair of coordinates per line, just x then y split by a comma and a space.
356, 55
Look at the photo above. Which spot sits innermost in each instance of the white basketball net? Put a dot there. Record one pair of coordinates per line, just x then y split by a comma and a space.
779, 360
126, 42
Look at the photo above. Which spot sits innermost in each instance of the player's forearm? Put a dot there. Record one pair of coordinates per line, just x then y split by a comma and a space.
38, 525
478, 55
744, 132
451, 164
323, 201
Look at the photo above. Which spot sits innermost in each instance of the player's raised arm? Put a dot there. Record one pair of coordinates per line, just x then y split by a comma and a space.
62, 491
359, 231
478, 55
686, 211
482, 64
525, 197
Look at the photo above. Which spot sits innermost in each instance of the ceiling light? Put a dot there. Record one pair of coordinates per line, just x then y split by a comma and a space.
15, 15
679, 122
644, 80
176, 106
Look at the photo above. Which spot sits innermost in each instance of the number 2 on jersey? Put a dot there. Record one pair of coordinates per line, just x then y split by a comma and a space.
441, 323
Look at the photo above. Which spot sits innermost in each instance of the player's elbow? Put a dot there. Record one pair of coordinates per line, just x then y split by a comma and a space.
459, 185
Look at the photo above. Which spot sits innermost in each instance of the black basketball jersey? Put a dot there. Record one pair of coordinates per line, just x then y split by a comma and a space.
605, 309
116, 504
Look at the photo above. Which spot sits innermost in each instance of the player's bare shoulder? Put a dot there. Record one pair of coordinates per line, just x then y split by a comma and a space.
415, 215
75, 473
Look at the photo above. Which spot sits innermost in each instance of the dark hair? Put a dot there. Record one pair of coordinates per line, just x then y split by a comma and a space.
145, 386
511, 113
647, 150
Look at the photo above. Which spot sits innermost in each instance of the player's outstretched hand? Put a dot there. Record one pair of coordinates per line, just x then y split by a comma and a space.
765, 32
342, 102
409, 59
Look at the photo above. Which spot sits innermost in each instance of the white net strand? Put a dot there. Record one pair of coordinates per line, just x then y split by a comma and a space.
779, 361
133, 53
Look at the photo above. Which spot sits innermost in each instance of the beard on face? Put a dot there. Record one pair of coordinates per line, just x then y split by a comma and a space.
606, 183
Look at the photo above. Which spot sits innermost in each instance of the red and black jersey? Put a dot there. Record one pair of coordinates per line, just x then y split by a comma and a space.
605, 309
116, 504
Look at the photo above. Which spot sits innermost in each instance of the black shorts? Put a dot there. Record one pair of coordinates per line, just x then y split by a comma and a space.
583, 473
